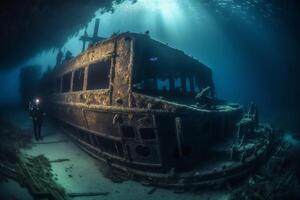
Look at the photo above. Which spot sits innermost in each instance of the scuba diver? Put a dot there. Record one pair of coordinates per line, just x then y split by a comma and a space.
37, 114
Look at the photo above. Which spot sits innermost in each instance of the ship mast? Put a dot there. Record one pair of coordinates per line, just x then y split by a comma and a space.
95, 38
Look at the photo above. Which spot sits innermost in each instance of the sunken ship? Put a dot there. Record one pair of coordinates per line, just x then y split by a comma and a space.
150, 110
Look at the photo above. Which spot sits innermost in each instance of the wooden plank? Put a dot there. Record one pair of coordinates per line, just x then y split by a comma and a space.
87, 194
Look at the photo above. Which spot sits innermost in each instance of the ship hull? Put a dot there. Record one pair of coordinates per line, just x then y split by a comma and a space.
150, 111
117, 152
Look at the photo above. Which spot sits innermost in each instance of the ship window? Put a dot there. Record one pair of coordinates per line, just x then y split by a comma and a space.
147, 133
196, 83
150, 84
163, 85
128, 131
188, 85
66, 83
98, 75
78, 79
142, 151
178, 85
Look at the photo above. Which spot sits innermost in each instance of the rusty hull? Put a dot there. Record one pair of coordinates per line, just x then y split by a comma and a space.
153, 138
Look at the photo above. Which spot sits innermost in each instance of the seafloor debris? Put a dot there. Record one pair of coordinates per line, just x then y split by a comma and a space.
278, 178
88, 194
32, 172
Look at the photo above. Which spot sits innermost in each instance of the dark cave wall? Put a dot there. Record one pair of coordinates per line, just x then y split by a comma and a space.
30, 26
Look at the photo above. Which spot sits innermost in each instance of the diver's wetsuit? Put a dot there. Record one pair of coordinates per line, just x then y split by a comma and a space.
37, 114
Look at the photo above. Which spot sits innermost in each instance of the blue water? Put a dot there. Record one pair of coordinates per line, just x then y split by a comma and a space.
242, 41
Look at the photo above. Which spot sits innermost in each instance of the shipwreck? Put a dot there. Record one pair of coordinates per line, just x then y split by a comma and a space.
130, 102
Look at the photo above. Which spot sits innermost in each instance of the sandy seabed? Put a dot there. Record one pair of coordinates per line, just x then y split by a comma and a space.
81, 172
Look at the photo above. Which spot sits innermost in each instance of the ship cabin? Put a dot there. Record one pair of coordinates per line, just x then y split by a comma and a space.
129, 101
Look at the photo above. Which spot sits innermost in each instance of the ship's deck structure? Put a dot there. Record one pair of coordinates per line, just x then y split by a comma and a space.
129, 101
